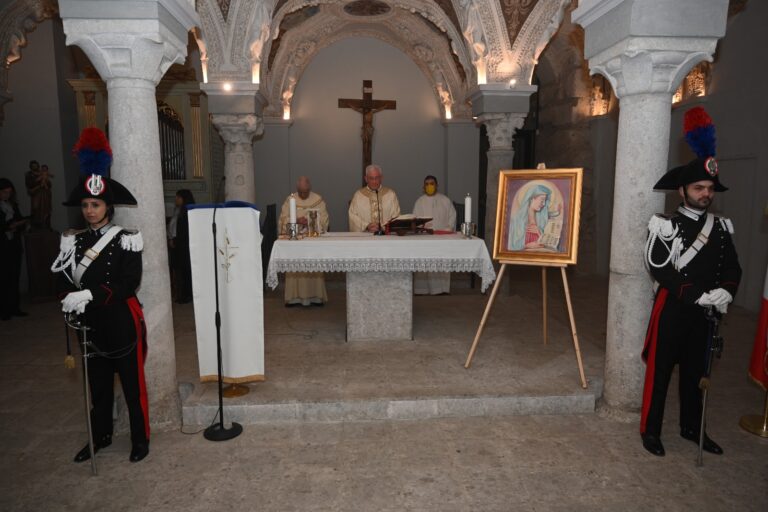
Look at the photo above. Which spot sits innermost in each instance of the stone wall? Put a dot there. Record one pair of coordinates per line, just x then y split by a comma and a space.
565, 133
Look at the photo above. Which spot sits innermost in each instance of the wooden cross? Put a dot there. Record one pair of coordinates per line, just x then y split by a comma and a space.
367, 106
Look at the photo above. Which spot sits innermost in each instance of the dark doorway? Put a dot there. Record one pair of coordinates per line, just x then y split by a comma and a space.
482, 196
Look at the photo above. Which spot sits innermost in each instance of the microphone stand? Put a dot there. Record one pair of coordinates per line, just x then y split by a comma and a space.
379, 231
217, 432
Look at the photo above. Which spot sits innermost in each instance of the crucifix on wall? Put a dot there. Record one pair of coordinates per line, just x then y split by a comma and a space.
367, 107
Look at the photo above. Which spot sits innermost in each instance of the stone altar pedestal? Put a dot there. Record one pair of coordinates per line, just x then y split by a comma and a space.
379, 306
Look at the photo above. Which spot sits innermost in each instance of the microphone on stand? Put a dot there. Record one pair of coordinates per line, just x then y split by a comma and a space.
380, 231
217, 431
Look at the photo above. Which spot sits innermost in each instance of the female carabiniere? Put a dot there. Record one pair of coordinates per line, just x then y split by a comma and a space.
100, 270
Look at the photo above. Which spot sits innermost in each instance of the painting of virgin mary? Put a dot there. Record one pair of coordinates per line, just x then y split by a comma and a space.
531, 211
537, 216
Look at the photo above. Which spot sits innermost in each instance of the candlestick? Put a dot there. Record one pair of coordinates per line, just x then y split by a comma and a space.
292, 206
468, 209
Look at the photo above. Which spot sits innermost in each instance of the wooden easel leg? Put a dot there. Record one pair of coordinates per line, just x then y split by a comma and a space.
485, 315
573, 328
544, 300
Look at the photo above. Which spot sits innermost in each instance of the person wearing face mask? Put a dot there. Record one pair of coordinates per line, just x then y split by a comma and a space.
100, 271
440, 209
691, 256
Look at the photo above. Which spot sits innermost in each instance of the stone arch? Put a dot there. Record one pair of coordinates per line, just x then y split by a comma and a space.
216, 33
537, 31
427, 9
18, 19
429, 52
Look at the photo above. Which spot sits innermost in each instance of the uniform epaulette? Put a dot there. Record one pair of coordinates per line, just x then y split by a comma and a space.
661, 225
726, 223
131, 240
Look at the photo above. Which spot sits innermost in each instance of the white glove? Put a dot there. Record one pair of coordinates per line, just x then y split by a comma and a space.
722, 309
705, 300
720, 297
76, 301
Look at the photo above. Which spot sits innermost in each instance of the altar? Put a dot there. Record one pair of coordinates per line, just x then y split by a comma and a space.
380, 273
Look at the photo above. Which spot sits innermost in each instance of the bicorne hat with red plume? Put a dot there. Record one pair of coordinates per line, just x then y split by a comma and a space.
95, 156
700, 136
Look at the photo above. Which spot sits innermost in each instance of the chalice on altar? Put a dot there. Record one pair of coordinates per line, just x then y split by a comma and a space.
312, 226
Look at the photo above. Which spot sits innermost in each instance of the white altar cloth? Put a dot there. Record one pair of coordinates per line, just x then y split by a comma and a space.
241, 293
363, 252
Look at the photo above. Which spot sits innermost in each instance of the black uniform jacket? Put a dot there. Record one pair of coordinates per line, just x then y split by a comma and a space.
715, 266
113, 278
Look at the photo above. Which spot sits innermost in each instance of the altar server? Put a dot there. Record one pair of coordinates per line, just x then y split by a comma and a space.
305, 288
373, 205
440, 208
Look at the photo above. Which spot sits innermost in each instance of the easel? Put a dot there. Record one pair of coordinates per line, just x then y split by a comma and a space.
544, 311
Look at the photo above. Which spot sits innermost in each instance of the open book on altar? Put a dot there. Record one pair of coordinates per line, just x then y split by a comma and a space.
407, 224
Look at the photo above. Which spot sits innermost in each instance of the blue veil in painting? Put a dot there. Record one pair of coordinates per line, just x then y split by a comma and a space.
518, 220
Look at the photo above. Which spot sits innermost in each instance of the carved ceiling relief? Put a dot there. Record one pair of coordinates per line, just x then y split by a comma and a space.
438, 16
539, 27
429, 50
224, 6
213, 37
515, 14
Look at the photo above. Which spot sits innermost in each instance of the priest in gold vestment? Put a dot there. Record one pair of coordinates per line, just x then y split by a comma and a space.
372, 200
305, 288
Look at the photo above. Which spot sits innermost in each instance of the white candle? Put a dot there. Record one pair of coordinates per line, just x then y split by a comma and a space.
292, 205
468, 209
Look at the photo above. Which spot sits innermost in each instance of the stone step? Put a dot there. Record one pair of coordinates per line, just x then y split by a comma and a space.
202, 412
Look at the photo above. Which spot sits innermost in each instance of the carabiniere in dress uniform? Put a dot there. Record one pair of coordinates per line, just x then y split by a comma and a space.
100, 271
691, 255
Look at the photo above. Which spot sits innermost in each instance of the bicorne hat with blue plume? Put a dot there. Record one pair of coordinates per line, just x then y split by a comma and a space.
700, 136
95, 156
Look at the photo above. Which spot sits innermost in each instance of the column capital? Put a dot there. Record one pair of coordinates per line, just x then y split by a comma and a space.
501, 128
648, 46
643, 66
136, 40
238, 130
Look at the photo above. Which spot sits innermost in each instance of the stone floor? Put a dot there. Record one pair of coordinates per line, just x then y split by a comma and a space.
314, 374
487, 463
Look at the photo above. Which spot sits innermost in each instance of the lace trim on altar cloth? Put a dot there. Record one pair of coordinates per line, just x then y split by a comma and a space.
480, 266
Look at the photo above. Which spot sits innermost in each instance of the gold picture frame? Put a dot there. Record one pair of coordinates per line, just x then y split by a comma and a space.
537, 217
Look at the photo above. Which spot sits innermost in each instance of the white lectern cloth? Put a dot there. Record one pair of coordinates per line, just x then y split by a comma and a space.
241, 295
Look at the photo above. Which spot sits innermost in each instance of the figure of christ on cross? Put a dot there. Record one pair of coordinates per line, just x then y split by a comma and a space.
367, 107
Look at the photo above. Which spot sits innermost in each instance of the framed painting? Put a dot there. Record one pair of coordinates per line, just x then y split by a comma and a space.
537, 217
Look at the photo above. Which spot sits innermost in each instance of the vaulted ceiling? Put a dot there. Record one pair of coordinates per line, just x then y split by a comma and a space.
456, 43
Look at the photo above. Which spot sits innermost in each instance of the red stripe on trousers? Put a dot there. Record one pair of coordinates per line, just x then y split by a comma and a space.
138, 323
651, 337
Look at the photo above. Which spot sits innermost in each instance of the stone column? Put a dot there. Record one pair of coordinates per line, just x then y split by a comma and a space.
131, 56
238, 131
644, 72
503, 110
501, 135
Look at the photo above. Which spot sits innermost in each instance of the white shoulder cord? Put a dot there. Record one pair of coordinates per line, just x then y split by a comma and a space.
662, 230
66, 258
